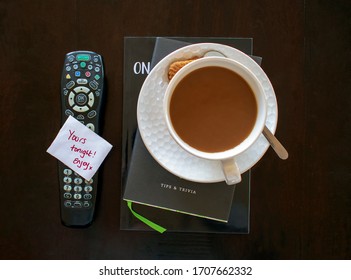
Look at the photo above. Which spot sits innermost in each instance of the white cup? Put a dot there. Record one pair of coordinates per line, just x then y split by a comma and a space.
229, 166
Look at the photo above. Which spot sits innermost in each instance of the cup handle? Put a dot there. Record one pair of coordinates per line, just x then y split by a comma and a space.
231, 171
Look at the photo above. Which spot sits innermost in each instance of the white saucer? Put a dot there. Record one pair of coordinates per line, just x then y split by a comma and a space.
159, 142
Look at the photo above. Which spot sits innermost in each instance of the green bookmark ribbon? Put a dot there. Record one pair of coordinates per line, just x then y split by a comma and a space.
145, 220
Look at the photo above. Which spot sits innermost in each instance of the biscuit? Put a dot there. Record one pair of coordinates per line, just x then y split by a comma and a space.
177, 65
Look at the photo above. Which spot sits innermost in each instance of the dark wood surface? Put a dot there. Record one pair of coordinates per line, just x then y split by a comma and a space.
300, 208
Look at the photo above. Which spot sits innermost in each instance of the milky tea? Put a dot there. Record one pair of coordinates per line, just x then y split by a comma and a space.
213, 109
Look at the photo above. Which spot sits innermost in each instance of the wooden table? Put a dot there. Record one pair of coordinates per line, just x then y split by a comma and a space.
300, 208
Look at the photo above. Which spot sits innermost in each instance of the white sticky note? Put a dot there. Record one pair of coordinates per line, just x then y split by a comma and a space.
79, 148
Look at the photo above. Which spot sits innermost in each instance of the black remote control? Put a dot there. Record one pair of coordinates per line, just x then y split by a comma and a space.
82, 85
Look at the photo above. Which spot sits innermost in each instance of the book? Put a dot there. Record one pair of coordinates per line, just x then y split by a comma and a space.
210, 207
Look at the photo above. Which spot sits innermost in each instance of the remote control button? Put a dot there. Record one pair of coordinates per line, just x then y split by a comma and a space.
86, 204
75, 66
97, 93
96, 59
68, 112
67, 171
91, 99
67, 180
87, 196
70, 84
82, 81
88, 182
94, 84
97, 77
67, 195
71, 98
67, 188
68, 77
88, 188
71, 58
77, 196
90, 67
77, 74
90, 126
80, 117
78, 181
81, 108
81, 89
81, 99
65, 92
77, 204
68, 203
68, 68
87, 74
78, 188
92, 114
83, 57
83, 64
97, 69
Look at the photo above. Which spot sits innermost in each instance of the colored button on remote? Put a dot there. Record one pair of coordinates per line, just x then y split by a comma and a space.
83, 57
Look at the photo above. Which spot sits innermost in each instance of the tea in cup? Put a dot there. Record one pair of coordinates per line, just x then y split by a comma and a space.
215, 109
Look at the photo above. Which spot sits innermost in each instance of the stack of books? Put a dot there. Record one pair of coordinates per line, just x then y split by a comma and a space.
177, 204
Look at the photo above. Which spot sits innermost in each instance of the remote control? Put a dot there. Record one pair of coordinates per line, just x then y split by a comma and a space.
82, 85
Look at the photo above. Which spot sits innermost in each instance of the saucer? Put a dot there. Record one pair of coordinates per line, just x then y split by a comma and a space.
162, 146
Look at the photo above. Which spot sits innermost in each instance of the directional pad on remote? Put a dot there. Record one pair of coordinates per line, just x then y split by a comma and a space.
81, 99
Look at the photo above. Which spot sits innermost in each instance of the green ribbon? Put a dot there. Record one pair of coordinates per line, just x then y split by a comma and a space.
145, 220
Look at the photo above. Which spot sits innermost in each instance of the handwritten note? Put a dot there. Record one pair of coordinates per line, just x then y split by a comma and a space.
79, 148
